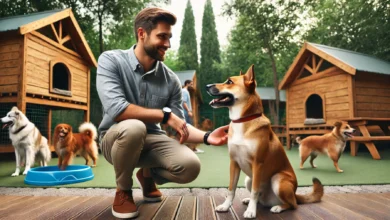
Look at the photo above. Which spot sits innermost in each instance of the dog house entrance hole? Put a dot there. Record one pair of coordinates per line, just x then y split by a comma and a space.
314, 107
61, 77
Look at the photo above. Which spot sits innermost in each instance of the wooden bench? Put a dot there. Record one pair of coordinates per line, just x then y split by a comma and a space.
363, 124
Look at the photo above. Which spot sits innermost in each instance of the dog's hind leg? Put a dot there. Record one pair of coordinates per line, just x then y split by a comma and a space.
304, 154
18, 161
93, 153
30, 156
285, 191
313, 156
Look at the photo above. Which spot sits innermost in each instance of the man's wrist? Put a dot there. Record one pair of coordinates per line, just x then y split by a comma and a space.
205, 137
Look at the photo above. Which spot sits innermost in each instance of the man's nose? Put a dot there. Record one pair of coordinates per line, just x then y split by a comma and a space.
167, 44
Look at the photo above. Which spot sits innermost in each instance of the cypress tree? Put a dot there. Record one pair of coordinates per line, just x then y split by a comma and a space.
210, 54
188, 50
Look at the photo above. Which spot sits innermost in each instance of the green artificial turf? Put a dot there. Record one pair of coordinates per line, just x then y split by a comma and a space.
358, 170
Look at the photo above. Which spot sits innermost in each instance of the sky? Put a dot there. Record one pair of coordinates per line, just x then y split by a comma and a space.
223, 23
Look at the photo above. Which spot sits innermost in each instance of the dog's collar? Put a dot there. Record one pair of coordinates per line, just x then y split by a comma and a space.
20, 129
247, 118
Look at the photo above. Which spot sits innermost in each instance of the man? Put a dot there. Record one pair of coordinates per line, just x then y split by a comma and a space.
187, 101
138, 92
188, 111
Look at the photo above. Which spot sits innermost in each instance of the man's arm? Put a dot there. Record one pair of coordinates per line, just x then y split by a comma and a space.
218, 137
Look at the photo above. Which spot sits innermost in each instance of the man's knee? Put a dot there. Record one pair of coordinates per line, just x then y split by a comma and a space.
187, 170
131, 129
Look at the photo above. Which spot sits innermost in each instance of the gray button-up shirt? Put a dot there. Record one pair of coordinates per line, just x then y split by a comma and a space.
121, 81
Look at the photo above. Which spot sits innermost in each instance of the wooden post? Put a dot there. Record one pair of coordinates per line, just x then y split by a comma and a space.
87, 112
21, 103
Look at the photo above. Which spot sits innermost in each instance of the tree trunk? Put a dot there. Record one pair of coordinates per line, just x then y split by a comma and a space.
271, 107
276, 82
101, 33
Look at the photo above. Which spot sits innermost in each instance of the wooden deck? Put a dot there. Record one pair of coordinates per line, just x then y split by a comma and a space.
333, 206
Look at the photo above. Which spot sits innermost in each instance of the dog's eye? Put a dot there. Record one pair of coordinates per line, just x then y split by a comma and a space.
229, 81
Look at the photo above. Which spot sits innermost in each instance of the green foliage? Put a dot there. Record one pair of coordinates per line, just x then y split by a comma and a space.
357, 25
188, 51
210, 55
172, 60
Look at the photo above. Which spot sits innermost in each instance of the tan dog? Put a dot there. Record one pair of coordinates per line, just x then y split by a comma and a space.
332, 143
68, 144
256, 150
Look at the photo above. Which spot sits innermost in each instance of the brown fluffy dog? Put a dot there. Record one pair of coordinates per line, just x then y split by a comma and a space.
68, 144
332, 143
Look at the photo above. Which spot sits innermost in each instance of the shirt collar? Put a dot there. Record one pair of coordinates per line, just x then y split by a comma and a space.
135, 65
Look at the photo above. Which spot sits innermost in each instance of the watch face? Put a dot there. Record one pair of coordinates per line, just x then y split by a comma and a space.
166, 109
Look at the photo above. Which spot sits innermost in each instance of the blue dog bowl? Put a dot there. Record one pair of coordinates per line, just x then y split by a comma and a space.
52, 175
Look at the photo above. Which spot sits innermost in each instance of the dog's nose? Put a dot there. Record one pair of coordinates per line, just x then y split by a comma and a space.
209, 86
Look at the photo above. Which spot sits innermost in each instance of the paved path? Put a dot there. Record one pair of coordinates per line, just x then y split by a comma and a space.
178, 191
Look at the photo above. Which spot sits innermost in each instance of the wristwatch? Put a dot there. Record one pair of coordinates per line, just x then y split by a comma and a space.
167, 112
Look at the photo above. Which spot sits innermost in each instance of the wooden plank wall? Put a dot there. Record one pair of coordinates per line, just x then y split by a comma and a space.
333, 87
10, 63
372, 95
39, 54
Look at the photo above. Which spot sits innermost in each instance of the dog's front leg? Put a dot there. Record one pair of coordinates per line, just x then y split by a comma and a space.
17, 169
255, 192
234, 176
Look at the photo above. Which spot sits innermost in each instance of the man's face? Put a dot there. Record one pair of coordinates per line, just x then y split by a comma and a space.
158, 41
191, 84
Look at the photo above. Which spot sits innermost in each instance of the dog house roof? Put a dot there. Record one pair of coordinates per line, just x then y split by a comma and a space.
185, 75
349, 61
268, 93
31, 22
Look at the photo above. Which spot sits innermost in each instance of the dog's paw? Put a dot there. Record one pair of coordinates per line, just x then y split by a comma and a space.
93, 166
340, 171
25, 172
314, 166
276, 209
246, 201
222, 208
250, 213
15, 174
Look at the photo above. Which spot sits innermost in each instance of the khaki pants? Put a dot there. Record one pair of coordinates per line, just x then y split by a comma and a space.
126, 145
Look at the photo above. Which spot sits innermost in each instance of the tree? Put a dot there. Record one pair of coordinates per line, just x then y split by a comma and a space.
210, 56
357, 25
272, 25
188, 50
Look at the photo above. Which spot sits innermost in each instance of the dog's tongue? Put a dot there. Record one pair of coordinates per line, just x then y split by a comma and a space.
5, 125
212, 102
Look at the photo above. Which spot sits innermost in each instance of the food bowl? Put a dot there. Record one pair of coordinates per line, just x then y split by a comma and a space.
52, 175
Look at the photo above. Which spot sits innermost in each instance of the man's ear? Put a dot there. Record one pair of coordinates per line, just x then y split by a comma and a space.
141, 33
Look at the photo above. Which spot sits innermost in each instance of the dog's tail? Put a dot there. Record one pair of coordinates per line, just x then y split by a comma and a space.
298, 140
87, 128
314, 196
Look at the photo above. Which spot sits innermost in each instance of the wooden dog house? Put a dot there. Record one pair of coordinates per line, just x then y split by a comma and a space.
325, 84
195, 94
45, 63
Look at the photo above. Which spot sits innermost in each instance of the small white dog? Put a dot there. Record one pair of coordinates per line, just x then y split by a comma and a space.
28, 142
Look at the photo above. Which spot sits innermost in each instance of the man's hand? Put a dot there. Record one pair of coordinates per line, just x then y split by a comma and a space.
180, 126
219, 136
190, 114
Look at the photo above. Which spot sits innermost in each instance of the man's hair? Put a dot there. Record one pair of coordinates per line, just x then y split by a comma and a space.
188, 81
149, 17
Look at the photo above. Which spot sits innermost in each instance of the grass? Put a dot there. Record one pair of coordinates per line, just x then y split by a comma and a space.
358, 170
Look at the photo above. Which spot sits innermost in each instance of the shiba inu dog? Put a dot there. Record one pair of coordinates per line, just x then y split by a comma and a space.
256, 150
28, 142
332, 144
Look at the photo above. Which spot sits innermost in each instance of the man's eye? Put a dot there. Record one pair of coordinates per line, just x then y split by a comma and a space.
229, 81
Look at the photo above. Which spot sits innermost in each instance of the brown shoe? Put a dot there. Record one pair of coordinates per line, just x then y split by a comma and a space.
148, 187
124, 206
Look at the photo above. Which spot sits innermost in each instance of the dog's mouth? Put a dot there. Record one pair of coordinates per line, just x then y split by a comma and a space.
222, 100
348, 134
62, 134
7, 124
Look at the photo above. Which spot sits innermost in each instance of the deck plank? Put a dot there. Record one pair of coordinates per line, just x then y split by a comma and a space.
74, 208
187, 208
355, 206
94, 210
40, 203
168, 208
147, 210
205, 209
8, 209
48, 212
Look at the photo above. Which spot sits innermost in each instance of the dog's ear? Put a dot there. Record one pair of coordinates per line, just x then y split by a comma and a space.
338, 124
249, 77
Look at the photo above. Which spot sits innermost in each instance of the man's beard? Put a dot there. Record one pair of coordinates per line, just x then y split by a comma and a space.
152, 51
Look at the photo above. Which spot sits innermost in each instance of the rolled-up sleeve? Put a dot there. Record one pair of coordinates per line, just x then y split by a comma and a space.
110, 86
176, 100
